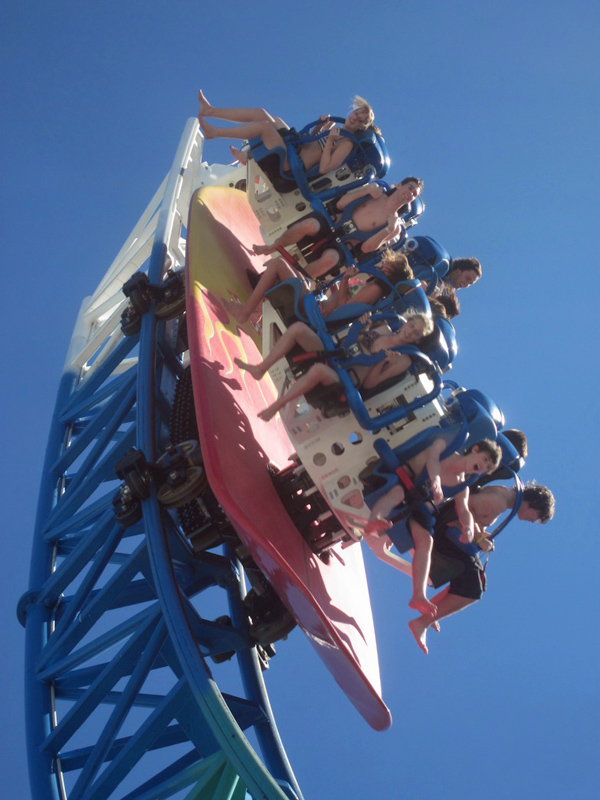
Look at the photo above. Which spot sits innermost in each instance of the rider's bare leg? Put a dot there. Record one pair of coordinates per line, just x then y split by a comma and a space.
297, 334
239, 155
264, 129
294, 234
420, 568
277, 271
329, 259
447, 604
235, 114
317, 374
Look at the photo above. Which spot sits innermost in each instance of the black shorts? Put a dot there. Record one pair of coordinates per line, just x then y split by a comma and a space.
424, 516
324, 231
316, 244
451, 564
272, 164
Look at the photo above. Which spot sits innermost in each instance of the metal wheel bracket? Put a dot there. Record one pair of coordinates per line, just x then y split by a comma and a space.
126, 508
134, 470
168, 294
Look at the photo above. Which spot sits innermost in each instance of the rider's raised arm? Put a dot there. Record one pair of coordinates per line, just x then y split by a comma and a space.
465, 517
384, 504
324, 124
369, 188
394, 364
340, 295
434, 451
335, 152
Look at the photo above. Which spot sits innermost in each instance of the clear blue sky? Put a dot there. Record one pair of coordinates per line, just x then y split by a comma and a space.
496, 107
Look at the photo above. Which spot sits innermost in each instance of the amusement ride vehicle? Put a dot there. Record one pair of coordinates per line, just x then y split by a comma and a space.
179, 535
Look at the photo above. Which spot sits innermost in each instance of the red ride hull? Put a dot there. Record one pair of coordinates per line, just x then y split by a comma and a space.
330, 602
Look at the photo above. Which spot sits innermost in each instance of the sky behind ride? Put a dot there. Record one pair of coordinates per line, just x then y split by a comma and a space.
496, 107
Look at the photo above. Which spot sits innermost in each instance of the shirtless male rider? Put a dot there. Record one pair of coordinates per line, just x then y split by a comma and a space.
372, 222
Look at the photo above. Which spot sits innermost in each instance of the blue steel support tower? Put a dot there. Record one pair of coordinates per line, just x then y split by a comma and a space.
120, 620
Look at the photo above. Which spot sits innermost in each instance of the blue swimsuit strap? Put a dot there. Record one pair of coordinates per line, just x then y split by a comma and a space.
358, 326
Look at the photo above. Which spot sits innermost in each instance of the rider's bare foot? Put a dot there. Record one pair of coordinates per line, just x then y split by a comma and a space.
256, 318
423, 606
377, 526
267, 413
254, 369
234, 309
263, 249
205, 107
435, 625
239, 155
419, 631
207, 129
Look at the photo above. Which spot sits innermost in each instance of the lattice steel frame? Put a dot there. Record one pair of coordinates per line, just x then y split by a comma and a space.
116, 643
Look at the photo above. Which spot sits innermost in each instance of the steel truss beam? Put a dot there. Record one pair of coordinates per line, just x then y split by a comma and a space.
121, 701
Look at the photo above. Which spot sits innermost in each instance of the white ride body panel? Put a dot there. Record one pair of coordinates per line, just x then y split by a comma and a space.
335, 450
219, 175
276, 212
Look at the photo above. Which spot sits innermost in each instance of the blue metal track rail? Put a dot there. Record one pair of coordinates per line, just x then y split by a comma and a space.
122, 697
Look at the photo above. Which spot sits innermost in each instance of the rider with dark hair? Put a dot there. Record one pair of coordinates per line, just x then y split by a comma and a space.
445, 305
367, 217
467, 580
539, 500
429, 472
463, 272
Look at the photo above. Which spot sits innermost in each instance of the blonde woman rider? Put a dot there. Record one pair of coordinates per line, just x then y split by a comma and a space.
329, 152
380, 339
